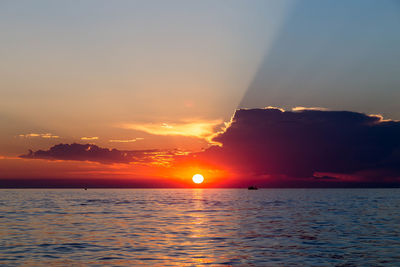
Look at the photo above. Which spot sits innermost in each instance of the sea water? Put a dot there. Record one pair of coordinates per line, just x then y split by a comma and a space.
190, 227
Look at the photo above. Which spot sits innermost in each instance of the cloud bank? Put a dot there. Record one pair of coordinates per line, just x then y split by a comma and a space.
310, 145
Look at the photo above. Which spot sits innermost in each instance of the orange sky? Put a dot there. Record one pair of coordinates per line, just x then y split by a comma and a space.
141, 76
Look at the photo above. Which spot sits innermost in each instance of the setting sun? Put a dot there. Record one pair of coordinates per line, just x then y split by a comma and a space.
198, 178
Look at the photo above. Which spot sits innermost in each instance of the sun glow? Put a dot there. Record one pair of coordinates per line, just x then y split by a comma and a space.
198, 178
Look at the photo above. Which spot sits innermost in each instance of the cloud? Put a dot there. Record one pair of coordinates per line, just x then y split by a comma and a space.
90, 152
40, 135
305, 142
86, 138
126, 140
299, 108
201, 129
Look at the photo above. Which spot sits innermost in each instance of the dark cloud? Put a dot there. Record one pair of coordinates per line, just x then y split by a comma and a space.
303, 143
90, 152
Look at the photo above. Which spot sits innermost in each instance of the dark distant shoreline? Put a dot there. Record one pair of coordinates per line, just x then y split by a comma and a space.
59, 183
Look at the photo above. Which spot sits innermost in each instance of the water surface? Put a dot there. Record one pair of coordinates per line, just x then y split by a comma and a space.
189, 227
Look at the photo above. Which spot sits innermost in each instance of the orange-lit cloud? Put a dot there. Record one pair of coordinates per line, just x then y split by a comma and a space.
126, 140
380, 118
86, 138
40, 135
200, 129
299, 108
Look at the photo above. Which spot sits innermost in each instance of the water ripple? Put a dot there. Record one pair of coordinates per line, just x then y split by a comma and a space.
176, 227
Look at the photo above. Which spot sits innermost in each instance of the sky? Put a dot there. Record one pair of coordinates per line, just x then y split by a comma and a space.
164, 84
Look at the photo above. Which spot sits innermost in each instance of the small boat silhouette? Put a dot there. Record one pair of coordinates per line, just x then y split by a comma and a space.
252, 188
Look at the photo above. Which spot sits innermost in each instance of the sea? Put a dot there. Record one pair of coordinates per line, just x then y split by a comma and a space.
200, 227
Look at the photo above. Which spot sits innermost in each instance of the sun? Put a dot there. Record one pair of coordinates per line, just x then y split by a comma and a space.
198, 178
